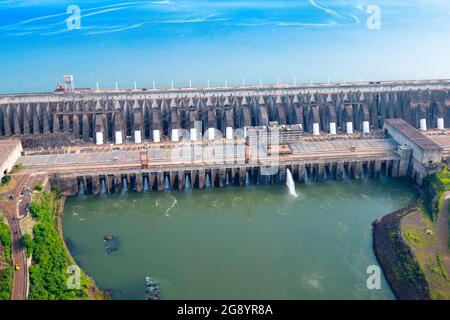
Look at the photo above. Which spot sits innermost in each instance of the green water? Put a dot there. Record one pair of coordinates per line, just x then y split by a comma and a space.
254, 242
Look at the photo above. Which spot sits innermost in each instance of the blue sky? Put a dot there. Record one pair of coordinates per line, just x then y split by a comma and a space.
220, 40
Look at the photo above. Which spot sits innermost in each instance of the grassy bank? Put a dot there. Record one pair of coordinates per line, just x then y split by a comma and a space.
6, 269
400, 267
419, 232
50, 260
438, 184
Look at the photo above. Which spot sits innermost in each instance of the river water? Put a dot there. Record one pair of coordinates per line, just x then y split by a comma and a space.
254, 242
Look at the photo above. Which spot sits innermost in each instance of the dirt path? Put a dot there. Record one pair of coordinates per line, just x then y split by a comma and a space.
442, 232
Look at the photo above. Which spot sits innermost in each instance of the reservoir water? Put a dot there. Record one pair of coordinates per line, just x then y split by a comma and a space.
254, 242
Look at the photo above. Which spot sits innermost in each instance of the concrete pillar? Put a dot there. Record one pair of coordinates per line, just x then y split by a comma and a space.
211, 133
388, 167
222, 177
349, 126
160, 181
180, 180
193, 134
214, 176
229, 133
366, 127
99, 138
423, 124
201, 179
118, 137
109, 181
332, 127
156, 136
440, 123
395, 165
172, 176
137, 136
282, 174
151, 181
117, 183
175, 136
339, 174
376, 168
405, 154
242, 172
356, 169
316, 129
233, 176
139, 182
320, 172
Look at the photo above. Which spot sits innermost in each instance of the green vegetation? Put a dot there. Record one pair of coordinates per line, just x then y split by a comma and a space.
5, 239
419, 232
48, 273
441, 183
27, 242
439, 267
54, 188
6, 269
414, 238
38, 187
6, 179
17, 167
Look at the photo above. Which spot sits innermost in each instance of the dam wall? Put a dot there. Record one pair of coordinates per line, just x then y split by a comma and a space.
184, 166
156, 115
143, 181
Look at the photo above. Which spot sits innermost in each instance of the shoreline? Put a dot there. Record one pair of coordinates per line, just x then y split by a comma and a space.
397, 260
94, 292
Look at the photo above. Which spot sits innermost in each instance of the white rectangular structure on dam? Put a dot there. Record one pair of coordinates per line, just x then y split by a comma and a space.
316, 129
156, 137
366, 127
332, 127
99, 138
423, 124
137, 136
119, 137
229, 133
440, 123
349, 127
193, 134
211, 133
175, 136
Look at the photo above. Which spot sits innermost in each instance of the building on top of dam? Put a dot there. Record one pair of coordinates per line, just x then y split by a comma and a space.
120, 116
425, 154
10, 151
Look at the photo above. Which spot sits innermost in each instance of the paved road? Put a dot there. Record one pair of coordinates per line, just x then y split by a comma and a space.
15, 211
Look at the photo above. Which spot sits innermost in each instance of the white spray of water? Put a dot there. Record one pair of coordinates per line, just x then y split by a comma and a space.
290, 183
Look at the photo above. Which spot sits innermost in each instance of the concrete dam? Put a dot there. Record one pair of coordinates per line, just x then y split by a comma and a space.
112, 116
152, 139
